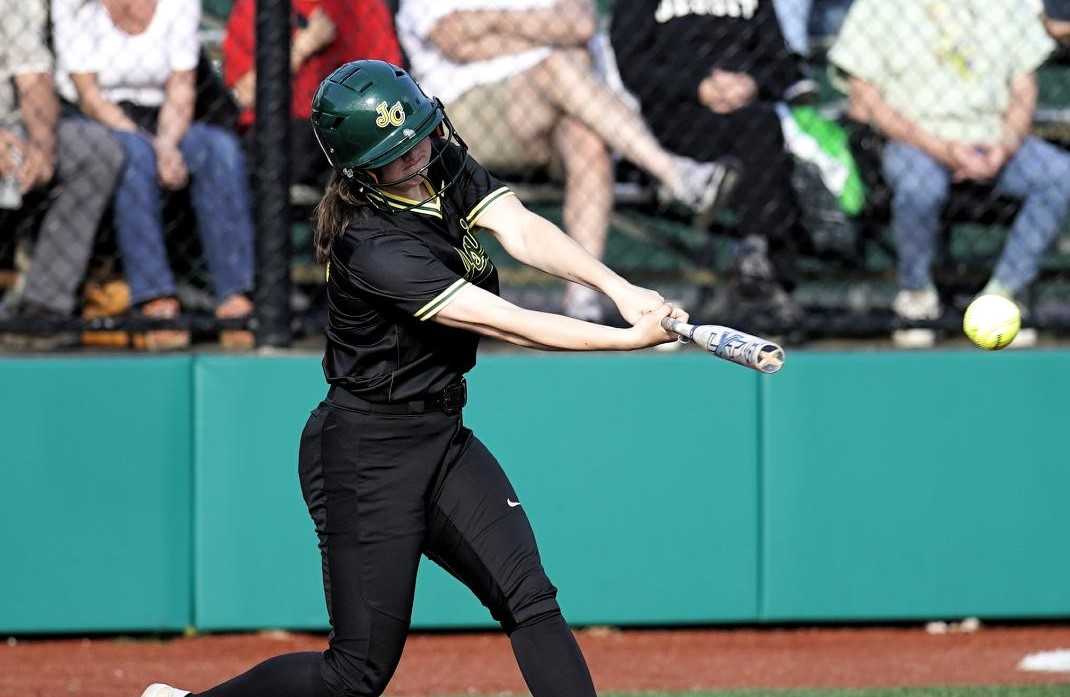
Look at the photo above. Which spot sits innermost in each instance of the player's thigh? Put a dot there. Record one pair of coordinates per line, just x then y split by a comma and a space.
478, 531
367, 503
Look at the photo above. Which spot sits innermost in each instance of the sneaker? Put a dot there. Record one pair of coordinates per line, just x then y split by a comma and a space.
702, 185
160, 690
912, 306
32, 312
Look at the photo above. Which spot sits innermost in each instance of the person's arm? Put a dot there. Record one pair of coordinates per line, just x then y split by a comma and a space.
470, 35
40, 112
531, 239
239, 50
476, 310
311, 39
1017, 122
96, 106
1058, 29
869, 105
1018, 119
176, 113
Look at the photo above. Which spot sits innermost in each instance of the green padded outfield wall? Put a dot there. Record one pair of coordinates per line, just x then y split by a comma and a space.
95, 494
157, 493
916, 485
630, 530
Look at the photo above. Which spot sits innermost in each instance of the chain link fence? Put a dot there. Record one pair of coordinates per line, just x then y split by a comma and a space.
810, 168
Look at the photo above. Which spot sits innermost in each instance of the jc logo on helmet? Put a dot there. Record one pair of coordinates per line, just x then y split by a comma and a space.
389, 115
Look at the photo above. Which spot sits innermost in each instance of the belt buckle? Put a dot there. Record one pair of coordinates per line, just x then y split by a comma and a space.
454, 398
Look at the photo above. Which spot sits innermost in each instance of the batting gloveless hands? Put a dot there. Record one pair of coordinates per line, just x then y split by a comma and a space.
648, 331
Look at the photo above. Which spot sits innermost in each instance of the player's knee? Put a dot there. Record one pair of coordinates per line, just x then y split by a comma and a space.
349, 676
533, 600
363, 667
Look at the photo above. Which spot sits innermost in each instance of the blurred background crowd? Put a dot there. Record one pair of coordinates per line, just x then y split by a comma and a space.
878, 164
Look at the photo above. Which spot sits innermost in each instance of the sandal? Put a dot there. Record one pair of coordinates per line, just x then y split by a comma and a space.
236, 306
161, 339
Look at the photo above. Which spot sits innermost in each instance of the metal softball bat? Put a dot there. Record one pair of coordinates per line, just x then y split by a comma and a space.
731, 345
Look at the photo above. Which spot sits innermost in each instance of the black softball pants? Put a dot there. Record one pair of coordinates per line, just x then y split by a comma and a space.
382, 490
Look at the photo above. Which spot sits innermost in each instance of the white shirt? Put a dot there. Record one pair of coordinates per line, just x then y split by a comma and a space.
438, 75
129, 67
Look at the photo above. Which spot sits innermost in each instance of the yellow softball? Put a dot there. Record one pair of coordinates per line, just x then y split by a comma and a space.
992, 322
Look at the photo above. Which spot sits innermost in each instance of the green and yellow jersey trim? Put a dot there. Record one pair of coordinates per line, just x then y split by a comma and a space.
440, 301
432, 207
480, 208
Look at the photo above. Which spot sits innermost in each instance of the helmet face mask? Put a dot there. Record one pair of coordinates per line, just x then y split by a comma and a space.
367, 114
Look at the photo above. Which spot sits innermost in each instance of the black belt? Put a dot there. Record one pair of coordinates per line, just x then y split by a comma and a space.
450, 401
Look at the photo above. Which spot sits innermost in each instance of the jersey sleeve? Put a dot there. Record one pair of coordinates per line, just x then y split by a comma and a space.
399, 271
482, 190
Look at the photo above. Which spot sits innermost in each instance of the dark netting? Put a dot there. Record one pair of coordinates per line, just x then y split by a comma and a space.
809, 168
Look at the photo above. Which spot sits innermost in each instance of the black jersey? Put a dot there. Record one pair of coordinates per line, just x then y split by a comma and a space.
392, 271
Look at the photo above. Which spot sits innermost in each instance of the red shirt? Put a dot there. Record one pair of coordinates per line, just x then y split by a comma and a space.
363, 29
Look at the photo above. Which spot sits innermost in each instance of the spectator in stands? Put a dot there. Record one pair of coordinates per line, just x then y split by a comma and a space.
326, 34
1057, 19
708, 78
37, 149
130, 65
519, 75
953, 88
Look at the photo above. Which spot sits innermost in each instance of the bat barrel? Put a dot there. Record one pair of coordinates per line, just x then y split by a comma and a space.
731, 345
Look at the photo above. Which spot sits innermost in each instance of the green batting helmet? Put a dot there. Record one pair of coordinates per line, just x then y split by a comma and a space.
368, 113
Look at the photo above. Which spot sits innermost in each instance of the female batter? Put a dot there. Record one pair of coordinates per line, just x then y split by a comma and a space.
387, 468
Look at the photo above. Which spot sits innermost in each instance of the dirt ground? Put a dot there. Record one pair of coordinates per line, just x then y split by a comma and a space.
452, 664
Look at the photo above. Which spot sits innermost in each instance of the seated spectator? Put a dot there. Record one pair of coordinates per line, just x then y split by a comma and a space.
518, 75
39, 149
708, 78
129, 65
326, 34
954, 91
1057, 19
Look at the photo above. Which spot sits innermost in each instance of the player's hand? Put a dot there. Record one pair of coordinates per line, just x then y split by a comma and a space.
170, 166
37, 168
970, 162
724, 91
244, 90
648, 332
996, 156
634, 301
12, 148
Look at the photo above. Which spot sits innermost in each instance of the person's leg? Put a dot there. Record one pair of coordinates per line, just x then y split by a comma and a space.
1039, 173
364, 478
565, 80
794, 19
479, 533
139, 221
588, 202
920, 188
88, 161
220, 193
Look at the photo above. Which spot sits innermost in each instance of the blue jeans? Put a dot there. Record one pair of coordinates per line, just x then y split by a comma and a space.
794, 19
1038, 173
220, 195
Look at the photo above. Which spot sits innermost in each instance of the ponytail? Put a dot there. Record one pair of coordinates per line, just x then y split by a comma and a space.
333, 213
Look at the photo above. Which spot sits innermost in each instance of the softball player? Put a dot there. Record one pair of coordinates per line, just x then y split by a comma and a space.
387, 468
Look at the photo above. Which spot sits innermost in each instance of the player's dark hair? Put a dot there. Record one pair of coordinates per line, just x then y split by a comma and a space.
333, 213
